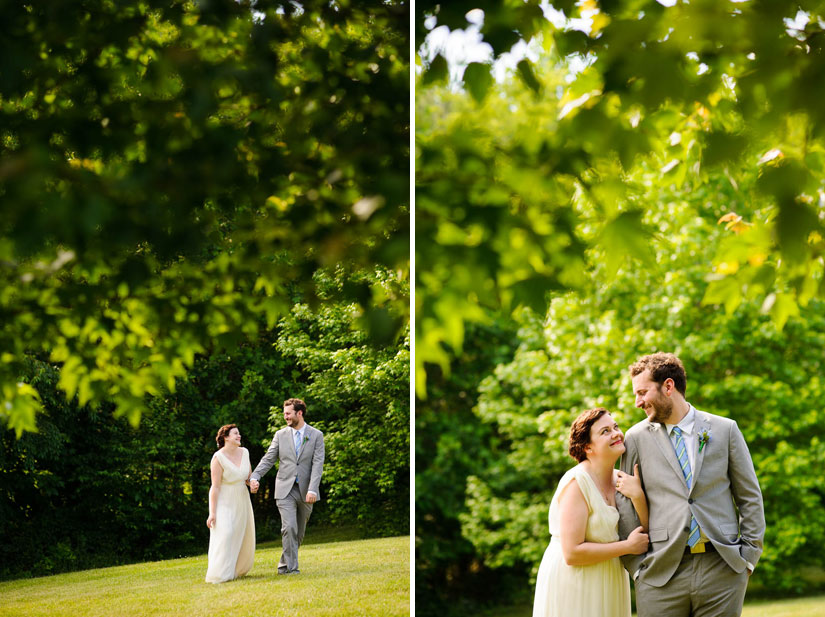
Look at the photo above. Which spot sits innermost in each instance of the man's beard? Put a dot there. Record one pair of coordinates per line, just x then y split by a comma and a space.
662, 410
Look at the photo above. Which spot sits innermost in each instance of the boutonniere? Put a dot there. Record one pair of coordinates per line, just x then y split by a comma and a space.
306, 438
704, 437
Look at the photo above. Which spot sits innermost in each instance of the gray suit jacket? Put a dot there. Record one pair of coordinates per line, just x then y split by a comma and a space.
308, 467
725, 498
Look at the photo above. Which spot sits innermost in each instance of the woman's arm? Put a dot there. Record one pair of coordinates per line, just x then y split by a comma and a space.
573, 522
214, 490
630, 485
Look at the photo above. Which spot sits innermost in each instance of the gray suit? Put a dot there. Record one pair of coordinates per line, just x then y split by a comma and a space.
296, 476
724, 497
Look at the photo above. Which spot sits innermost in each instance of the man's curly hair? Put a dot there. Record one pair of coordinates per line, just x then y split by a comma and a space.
662, 366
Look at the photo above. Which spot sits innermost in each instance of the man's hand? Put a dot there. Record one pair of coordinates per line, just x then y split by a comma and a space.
253, 486
311, 497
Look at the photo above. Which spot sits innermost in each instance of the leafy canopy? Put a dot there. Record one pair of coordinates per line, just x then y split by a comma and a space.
172, 171
689, 90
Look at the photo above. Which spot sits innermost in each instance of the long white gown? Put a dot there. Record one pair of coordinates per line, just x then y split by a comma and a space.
598, 590
232, 537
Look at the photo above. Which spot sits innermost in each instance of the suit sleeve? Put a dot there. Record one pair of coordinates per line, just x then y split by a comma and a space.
267, 461
628, 519
317, 465
748, 497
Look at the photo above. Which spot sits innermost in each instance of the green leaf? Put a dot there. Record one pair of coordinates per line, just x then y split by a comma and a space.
782, 308
571, 42
793, 225
725, 291
626, 236
478, 80
723, 148
532, 292
19, 407
437, 72
525, 71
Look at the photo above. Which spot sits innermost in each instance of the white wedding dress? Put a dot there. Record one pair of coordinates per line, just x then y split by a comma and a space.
232, 537
598, 590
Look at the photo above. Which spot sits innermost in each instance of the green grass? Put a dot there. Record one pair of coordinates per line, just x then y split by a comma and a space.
796, 607
338, 579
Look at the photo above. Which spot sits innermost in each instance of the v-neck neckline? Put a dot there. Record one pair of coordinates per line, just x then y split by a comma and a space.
596, 486
226, 456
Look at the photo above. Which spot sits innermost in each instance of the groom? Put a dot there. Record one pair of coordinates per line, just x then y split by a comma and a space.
706, 516
299, 448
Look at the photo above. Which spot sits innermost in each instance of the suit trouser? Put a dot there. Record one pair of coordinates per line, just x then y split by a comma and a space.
704, 585
294, 516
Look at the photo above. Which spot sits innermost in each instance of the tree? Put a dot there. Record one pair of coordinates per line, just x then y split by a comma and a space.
451, 445
360, 394
171, 168
689, 89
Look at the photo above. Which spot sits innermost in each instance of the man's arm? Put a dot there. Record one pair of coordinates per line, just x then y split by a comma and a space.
748, 497
317, 468
265, 464
628, 517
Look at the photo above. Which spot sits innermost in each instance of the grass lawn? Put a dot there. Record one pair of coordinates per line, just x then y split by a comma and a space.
338, 579
796, 607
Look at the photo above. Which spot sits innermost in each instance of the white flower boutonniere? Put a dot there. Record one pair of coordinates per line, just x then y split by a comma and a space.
704, 437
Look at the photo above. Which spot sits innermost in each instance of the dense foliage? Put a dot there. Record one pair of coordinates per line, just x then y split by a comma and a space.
651, 179
690, 89
89, 490
170, 169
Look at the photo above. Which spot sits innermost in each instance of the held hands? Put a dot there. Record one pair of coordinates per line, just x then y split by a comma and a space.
637, 541
629, 485
253, 486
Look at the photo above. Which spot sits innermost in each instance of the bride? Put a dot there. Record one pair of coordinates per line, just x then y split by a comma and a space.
231, 522
580, 574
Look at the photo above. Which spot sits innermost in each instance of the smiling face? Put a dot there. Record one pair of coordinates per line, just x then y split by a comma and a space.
293, 418
234, 436
653, 398
606, 439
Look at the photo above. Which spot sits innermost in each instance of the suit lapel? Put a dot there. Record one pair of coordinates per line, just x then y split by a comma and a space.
288, 445
700, 423
666, 446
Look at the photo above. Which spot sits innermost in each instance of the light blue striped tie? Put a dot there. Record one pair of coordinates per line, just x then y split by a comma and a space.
681, 454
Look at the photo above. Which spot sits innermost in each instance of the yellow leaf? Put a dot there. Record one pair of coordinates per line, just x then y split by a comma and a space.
277, 203
600, 22
729, 217
728, 267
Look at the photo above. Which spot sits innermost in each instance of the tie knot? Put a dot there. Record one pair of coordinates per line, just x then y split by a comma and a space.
678, 431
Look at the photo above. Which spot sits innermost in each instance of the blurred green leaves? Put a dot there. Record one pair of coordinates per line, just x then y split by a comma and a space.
694, 90
198, 162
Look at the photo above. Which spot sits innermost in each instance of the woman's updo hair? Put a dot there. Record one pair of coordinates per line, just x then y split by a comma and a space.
223, 433
580, 432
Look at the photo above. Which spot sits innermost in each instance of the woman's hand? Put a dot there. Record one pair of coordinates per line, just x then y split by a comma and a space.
210, 522
637, 541
629, 485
